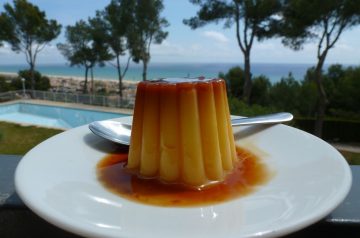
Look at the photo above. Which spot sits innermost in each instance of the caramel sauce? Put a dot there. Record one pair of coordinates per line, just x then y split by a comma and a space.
247, 174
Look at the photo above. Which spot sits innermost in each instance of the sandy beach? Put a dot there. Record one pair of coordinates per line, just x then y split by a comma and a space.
61, 83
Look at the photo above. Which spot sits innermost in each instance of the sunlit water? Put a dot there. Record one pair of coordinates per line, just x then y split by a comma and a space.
51, 116
165, 70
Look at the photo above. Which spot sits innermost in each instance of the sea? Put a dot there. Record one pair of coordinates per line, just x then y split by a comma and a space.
163, 70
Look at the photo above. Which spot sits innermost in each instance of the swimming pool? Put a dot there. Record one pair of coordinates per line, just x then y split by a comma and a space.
52, 116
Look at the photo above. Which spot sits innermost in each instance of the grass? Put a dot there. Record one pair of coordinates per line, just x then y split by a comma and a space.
19, 139
351, 157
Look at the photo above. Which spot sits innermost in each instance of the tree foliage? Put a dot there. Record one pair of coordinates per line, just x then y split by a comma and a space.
343, 89
117, 22
5, 84
25, 27
299, 96
260, 91
252, 19
323, 21
5, 27
85, 47
148, 28
234, 79
10, 83
285, 94
41, 82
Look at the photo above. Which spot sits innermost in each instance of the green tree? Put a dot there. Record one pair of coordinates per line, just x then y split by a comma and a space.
260, 91
252, 19
41, 82
148, 27
5, 84
99, 45
234, 79
342, 87
4, 27
333, 81
27, 30
239, 107
85, 47
350, 85
324, 21
307, 99
117, 21
284, 95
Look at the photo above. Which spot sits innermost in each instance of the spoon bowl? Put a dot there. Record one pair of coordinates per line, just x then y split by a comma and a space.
120, 132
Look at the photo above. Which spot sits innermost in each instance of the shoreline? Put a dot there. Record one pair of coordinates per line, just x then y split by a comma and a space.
80, 78
75, 83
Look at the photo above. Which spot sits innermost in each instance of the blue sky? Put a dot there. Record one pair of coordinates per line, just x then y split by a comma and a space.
212, 43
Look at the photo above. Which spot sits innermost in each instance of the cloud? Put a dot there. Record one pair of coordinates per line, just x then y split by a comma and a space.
217, 36
169, 51
167, 48
344, 46
5, 49
266, 46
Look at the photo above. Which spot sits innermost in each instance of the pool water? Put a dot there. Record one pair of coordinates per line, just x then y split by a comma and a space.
52, 116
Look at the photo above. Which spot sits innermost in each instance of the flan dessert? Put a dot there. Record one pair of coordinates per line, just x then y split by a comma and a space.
182, 132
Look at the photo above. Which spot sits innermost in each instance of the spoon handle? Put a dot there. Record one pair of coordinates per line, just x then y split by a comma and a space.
265, 119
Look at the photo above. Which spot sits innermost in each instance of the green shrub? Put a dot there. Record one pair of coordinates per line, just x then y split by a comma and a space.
260, 90
234, 79
285, 95
5, 85
333, 130
41, 82
307, 98
238, 107
344, 94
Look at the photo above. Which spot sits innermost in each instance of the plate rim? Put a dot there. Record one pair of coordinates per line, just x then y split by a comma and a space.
293, 227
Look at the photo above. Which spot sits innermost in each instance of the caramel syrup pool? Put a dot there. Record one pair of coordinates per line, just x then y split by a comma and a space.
248, 173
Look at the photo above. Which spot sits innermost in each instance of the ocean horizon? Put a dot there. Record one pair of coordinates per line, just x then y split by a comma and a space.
274, 71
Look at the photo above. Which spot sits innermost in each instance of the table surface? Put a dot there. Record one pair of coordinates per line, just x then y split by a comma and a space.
16, 220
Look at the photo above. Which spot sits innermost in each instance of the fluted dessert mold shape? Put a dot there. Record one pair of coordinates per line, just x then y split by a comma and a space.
182, 132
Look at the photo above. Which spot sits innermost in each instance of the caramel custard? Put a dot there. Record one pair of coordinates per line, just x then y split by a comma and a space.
182, 132
244, 178
182, 150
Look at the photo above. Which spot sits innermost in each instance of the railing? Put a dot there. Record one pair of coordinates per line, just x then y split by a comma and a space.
16, 220
127, 101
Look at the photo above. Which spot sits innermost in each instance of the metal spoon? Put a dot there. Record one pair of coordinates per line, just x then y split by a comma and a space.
120, 132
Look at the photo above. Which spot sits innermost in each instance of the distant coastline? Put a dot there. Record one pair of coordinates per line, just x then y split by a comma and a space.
160, 70
59, 83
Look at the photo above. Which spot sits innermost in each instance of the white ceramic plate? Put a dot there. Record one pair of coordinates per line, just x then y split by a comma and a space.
57, 180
